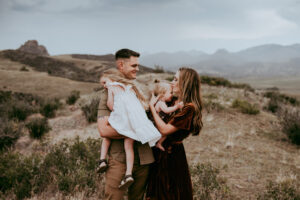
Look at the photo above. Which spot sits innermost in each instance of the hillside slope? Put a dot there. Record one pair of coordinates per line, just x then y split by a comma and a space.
250, 150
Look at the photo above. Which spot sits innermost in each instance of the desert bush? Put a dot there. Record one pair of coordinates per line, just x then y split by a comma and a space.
287, 190
17, 173
211, 105
5, 96
207, 184
20, 110
290, 119
219, 81
91, 110
68, 167
73, 97
276, 99
24, 69
49, 107
9, 133
158, 69
246, 107
37, 127
17, 106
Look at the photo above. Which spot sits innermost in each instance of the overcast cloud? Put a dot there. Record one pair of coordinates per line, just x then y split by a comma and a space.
104, 26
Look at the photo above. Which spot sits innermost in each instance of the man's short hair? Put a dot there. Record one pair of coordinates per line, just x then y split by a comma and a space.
126, 53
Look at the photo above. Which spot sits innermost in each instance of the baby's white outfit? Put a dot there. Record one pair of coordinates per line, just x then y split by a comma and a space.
129, 118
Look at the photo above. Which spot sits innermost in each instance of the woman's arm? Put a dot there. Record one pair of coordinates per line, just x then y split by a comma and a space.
164, 129
106, 130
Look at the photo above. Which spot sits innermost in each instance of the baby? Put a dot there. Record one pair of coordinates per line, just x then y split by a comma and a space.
164, 91
128, 118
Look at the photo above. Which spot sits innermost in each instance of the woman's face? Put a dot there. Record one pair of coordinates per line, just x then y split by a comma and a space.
175, 85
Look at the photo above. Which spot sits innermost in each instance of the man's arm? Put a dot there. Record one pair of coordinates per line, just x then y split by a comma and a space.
104, 129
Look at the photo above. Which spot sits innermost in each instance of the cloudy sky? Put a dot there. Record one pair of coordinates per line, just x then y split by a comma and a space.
104, 26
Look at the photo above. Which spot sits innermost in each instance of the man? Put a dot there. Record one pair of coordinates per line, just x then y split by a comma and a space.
127, 63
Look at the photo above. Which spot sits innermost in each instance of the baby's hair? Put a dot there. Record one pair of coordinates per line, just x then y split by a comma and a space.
117, 76
160, 88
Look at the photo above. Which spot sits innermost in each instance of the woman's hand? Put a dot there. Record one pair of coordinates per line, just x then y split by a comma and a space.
153, 100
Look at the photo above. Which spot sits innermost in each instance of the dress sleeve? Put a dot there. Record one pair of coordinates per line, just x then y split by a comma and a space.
183, 119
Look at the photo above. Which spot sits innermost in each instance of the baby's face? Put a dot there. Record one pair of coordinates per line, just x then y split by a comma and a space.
104, 80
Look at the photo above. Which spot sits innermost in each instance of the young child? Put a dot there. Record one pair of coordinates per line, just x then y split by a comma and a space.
164, 91
128, 118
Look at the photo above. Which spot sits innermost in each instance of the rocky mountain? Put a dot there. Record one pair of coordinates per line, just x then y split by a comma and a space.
32, 46
78, 67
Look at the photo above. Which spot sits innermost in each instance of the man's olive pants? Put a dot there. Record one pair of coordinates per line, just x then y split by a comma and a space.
115, 174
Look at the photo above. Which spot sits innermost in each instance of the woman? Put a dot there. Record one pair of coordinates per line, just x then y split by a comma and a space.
169, 176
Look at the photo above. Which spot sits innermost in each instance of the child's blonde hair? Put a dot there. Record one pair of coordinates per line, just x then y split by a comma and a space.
117, 76
160, 88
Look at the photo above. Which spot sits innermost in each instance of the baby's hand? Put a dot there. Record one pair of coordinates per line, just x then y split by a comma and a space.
158, 145
180, 105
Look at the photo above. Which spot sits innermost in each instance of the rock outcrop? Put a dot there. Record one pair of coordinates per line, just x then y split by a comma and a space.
32, 46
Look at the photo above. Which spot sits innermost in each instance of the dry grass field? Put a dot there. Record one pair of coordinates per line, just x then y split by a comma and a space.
287, 85
39, 83
250, 150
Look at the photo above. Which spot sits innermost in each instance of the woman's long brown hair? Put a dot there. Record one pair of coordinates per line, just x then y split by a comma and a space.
190, 86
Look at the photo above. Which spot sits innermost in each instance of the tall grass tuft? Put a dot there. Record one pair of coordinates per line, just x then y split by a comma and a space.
290, 120
91, 110
207, 183
246, 107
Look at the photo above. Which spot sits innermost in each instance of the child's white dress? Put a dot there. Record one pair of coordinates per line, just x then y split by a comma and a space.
129, 118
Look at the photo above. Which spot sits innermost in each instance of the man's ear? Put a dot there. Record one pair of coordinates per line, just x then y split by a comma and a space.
120, 64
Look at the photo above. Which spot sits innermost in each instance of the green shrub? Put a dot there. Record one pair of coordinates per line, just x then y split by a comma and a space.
24, 69
38, 127
91, 110
49, 107
280, 191
20, 110
219, 81
277, 98
246, 107
170, 78
17, 173
71, 166
68, 167
290, 120
207, 184
211, 105
73, 97
158, 69
5, 96
9, 133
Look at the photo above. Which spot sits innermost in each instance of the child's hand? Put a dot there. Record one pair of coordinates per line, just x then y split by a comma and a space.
158, 145
180, 105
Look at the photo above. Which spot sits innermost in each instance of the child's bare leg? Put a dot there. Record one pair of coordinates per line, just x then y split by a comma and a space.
159, 143
104, 148
128, 146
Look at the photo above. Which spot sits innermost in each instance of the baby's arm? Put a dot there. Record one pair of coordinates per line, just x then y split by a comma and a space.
166, 109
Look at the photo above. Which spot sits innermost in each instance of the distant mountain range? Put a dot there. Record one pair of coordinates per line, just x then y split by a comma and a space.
264, 61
